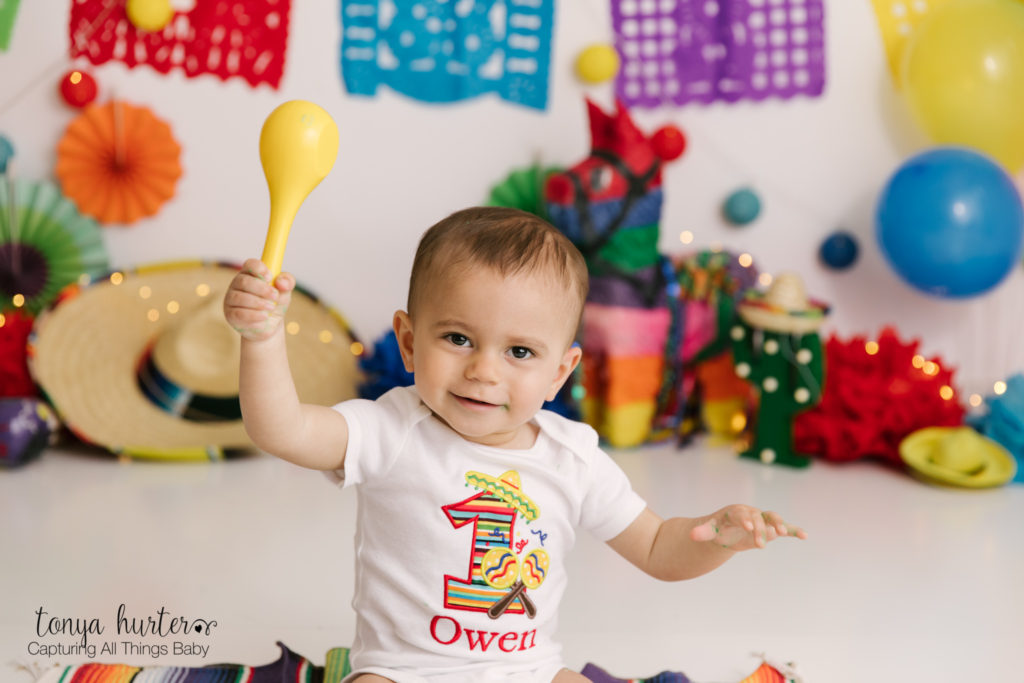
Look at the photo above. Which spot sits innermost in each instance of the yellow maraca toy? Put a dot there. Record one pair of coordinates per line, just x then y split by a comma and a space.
298, 146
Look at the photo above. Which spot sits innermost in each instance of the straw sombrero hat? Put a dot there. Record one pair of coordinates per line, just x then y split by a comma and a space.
784, 307
508, 487
958, 456
142, 362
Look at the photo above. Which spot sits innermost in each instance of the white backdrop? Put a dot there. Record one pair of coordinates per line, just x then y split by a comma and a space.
818, 165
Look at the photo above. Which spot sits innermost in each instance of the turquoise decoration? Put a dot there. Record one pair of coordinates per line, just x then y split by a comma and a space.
6, 153
437, 51
1004, 421
742, 206
839, 251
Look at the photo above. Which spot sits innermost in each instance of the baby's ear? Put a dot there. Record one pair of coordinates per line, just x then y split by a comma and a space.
570, 359
402, 324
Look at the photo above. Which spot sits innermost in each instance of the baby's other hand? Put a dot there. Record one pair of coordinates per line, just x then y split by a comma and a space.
741, 527
254, 306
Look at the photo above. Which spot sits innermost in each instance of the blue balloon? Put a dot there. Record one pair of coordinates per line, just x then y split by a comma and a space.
950, 222
839, 250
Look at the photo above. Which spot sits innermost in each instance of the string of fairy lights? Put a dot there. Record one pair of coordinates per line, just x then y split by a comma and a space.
202, 290
174, 306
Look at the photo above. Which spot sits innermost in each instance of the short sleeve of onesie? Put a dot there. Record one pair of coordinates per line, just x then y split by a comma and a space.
376, 434
608, 502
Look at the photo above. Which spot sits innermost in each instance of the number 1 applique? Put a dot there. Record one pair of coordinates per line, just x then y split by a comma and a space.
497, 579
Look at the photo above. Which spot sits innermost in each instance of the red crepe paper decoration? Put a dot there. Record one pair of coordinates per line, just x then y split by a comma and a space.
227, 38
14, 376
118, 162
872, 401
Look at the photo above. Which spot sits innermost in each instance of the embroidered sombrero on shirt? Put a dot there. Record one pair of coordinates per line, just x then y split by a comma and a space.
142, 362
508, 487
957, 456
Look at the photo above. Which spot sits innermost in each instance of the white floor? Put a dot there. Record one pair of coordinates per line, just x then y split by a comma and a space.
899, 581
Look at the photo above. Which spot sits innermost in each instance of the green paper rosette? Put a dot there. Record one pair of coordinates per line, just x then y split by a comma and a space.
523, 189
45, 244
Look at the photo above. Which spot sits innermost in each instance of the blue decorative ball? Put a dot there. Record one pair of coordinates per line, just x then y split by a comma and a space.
6, 153
742, 206
839, 251
951, 222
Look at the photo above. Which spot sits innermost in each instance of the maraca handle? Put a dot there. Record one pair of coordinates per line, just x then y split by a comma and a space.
518, 590
277, 238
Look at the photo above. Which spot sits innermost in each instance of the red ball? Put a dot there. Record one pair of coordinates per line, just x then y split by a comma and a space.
669, 143
78, 88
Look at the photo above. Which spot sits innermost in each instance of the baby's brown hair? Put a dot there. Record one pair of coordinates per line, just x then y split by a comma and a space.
508, 240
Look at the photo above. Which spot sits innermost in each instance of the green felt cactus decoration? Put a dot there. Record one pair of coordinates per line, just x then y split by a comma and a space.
776, 347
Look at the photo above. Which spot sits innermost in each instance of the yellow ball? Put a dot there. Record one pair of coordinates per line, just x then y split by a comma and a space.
149, 15
598, 63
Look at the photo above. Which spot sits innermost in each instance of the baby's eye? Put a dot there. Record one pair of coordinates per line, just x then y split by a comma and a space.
457, 339
520, 352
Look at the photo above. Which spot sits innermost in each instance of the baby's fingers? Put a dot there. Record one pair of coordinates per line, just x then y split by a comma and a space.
253, 283
240, 299
781, 527
256, 268
756, 526
284, 283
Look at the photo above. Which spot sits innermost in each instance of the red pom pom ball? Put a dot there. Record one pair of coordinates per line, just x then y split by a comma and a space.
669, 143
78, 88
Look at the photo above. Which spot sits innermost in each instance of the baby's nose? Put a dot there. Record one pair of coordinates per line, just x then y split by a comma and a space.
483, 367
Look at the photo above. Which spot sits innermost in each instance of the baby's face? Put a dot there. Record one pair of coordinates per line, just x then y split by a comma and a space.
488, 350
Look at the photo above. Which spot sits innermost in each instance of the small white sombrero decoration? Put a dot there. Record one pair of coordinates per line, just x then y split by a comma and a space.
784, 307
143, 362
508, 487
958, 456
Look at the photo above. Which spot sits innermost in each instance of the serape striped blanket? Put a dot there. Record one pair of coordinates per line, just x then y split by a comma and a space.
290, 667
294, 668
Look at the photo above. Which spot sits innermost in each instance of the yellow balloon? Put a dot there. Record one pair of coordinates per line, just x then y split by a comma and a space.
298, 146
597, 63
963, 75
149, 15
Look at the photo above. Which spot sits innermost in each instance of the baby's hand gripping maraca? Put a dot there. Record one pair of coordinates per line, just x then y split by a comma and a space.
253, 305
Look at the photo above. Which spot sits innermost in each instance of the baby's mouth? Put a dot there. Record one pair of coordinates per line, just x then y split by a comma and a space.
475, 402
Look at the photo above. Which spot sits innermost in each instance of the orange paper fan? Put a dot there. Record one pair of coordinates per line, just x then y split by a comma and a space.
118, 162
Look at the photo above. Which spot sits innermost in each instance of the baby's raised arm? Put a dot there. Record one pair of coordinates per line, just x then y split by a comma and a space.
307, 435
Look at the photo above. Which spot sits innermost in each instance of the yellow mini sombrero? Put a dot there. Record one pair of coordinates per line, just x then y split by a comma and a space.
142, 361
958, 456
508, 488
785, 307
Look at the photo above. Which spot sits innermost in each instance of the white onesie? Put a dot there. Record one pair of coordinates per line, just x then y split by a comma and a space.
460, 547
